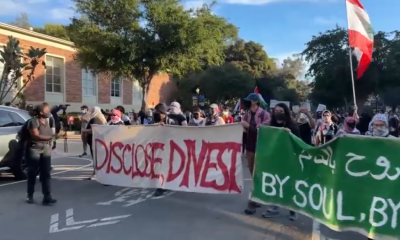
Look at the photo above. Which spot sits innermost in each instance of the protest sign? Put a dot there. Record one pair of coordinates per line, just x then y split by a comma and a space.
351, 183
321, 107
273, 103
192, 159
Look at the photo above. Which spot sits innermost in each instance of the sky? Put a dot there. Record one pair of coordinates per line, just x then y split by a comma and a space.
281, 26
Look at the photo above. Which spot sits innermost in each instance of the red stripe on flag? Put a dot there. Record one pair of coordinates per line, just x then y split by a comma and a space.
357, 40
356, 2
256, 90
363, 65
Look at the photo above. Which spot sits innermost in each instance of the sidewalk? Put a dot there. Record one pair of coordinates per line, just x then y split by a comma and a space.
70, 135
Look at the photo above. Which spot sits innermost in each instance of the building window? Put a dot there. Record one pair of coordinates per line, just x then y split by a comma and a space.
115, 87
88, 83
54, 74
136, 91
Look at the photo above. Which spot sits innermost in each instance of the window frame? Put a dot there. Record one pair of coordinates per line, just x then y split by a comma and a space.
62, 74
85, 73
112, 87
8, 114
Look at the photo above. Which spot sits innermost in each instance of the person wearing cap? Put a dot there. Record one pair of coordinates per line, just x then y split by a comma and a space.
254, 118
213, 118
198, 120
326, 130
39, 153
84, 118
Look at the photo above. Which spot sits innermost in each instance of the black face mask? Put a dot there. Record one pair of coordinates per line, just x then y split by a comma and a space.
45, 115
196, 115
157, 117
279, 116
351, 125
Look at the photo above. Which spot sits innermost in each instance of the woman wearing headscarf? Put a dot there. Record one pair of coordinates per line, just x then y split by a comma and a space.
97, 117
116, 118
176, 114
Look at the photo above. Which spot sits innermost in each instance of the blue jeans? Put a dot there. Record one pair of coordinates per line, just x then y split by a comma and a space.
38, 159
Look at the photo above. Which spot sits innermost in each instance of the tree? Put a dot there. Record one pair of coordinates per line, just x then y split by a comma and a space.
13, 68
249, 56
21, 21
330, 68
219, 84
140, 38
54, 30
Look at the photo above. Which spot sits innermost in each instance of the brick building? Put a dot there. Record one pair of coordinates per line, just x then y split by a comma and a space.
64, 81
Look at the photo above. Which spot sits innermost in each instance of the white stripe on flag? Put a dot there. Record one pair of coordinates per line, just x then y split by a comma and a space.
357, 20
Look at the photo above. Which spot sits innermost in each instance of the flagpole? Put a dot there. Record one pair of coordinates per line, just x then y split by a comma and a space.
350, 58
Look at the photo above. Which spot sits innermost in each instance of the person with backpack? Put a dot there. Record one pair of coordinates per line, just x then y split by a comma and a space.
255, 117
38, 153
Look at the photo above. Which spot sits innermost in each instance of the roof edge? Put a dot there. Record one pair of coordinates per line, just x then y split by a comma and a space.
36, 34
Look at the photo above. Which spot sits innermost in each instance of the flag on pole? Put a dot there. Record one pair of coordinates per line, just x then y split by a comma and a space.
361, 35
262, 101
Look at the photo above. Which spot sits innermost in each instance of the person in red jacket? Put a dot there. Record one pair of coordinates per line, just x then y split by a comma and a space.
227, 116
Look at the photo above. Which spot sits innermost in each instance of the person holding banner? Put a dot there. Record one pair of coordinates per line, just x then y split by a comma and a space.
213, 118
116, 118
251, 121
198, 119
97, 117
281, 117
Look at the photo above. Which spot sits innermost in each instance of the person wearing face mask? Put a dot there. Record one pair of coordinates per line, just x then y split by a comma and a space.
306, 123
349, 125
84, 118
379, 126
115, 118
325, 131
38, 153
251, 121
281, 118
213, 118
198, 119
226, 116
176, 114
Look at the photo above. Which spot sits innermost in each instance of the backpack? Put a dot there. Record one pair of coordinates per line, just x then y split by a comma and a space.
24, 134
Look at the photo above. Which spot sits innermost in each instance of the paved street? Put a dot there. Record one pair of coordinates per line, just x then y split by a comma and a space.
87, 210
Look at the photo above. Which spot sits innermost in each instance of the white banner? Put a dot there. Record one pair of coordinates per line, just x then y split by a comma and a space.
191, 159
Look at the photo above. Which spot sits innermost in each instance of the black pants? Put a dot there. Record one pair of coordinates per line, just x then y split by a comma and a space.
38, 158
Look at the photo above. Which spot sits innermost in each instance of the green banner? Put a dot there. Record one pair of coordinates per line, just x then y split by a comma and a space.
351, 183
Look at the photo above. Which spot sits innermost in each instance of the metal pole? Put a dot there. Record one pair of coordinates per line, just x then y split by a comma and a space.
350, 60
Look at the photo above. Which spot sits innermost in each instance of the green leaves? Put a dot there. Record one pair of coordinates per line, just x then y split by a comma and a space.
139, 38
11, 56
330, 68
